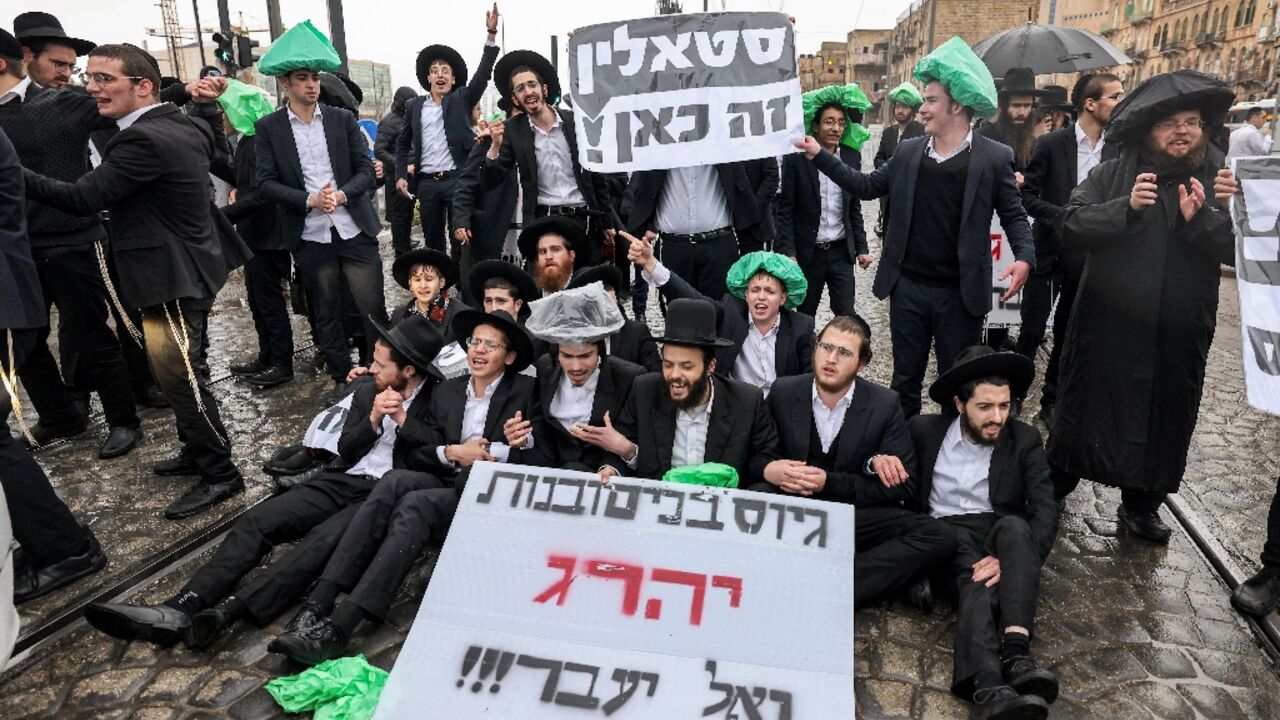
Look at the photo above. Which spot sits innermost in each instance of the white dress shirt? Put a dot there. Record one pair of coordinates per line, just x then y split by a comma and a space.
756, 363
960, 484
968, 141
692, 201
378, 460
572, 404
556, 182
475, 416
1088, 156
831, 201
17, 92
317, 169
1246, 141
127, 121
435, 147
690, 444
828, 421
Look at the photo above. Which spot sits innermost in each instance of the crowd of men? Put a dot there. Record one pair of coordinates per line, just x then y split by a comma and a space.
106, 214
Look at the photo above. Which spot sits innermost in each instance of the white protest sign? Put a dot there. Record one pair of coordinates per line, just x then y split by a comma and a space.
558, 597
1256, 212
680, 90
1003, 314
326, 427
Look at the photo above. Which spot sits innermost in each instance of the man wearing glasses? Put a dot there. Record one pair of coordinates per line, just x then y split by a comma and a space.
49, 55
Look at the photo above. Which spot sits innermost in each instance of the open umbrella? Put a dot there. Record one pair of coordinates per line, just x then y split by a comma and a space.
1048, 49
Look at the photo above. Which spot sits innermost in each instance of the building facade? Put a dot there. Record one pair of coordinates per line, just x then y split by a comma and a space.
826, 67
867, 65
926, 24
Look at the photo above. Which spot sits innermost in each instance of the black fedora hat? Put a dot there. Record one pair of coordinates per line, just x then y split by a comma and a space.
337, 91
415, 338
980, 361
431, 53
9, 45
566, 228
43, 26
1054, 97
517, 339
1019, 81
526, 288
610, 275
424, 256
692, 322
508, 63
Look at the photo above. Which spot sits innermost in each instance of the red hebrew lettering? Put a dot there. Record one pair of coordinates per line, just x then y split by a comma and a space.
996, 248
560, 590
632, 577
696, 581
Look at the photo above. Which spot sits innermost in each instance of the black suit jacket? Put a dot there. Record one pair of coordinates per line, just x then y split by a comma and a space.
742, 196
873, 425
455, 306
800, 209
21, 302
280, 171
990, 186
741, 432
793, 349
635, 344
358, 435
456, 107
1018, 482
890, 138
514, 393
1046, 187
154, 178
254, 216
486, 211
612, 390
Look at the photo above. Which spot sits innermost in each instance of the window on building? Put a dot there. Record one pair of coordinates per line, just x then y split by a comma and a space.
1195, 27
1239, 14
1248, 14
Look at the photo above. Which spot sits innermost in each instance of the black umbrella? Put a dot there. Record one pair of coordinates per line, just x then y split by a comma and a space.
1160, 96
1047, 49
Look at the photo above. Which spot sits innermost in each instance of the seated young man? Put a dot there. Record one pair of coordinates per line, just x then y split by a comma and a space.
985, 475
387, 423
845, 439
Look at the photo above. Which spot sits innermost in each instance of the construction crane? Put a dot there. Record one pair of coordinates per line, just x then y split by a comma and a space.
172, 33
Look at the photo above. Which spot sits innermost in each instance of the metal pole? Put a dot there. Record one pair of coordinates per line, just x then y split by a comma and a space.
338, 32
555, 53
273, 19
224, 17
195, 6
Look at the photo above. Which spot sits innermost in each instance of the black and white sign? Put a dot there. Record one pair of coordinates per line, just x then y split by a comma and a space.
1256, 212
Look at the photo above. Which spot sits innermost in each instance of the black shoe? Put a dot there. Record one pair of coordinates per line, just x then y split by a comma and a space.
202, 497
322, 642
1147, 526
307, 618
45, 434
246, 369
206, 626
1259, 594
82, 405
339, 392
919, 595
159, 624
1026, 677
176, 466
1004, 703
150, 396
290, 460
120, 441
271, 377
32, 582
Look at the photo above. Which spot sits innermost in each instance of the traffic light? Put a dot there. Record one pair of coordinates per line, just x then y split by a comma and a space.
223, 51
244, 51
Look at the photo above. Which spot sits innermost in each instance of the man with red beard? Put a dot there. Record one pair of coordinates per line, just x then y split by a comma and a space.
549, 245
1016, 124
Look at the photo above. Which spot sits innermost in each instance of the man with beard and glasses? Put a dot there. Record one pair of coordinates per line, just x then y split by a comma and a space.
49, 55
1016, 124
984, 475
1138, 340
688, 415
906, 99
549, 246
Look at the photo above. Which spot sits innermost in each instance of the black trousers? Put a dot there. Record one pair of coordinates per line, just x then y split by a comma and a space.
386, 536
920, 317
1135, 501
983, 613
832, 268
1037, 301
1271, 550
400, 217
893, 546
264, 277
1068, 283
323, 266
314, 513
42, 523
703, 264
434, 199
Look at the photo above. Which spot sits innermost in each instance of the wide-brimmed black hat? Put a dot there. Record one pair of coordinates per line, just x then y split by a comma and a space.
424, 256
415, 338
1160, 96
980, 361
565, 227
692, 322
1019, 81
517, 339
526, 288
431, 53
43, 26
340, 91
1054, 97
526, 58
9, 45
610, 275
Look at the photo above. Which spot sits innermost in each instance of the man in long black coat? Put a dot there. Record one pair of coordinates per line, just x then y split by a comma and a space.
399, 207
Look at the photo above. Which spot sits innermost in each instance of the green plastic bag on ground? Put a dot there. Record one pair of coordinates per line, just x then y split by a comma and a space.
907, 94
777, 265
850, 98
244, 105
302, 47
709, 474
342, 689
962, 73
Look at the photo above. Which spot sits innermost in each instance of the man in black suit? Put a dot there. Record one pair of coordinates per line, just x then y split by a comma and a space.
844, 439
313, 163
633, 342
1015, 126
766, 337
399, 208
936, 261
481, 216
905, 100
985, 475
687, 414
1062, 160
387, 422
492, 415
820, 223
438, 135
171, 258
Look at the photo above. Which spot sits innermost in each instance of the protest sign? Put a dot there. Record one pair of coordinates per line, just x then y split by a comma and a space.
1003, 314
326, 428
680, 90
558, 597
1256, 213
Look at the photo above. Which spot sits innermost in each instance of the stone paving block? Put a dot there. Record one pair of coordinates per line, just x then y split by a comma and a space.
258, 705
1162, 700
941, 705
108, 688
1211, 701
173, 684
155, 712
224, 688
884, 699
1165, 662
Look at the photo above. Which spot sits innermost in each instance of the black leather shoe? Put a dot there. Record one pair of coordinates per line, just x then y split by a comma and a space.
290, 460
159, 624
206, 627
1046, 414
120, 441
178, 465
1259, 594
339, 391
202, 497
1026, 677
271, 377
1147, 526
32, 582
307, 618
919, 595
45, 434
322, 642
1004, 703
247, 369
150, 396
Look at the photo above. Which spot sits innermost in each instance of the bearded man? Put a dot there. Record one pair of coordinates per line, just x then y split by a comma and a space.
549, 245
1016, 124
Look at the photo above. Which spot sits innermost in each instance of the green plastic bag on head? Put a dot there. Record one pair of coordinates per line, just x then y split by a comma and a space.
777, 265
962, 73
850, 97
244, 105
342, 689
708, 474
302, 47
907, 94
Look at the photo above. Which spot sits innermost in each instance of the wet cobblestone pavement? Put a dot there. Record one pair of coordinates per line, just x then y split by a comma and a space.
1133, 630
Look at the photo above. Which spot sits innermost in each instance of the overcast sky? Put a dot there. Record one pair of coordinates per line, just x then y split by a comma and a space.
394, 31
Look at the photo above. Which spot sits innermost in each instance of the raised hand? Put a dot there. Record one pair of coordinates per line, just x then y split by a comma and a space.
1190, 202
517, 431
1143, 194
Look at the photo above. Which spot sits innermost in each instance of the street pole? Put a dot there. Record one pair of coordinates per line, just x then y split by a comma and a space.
273, 19
338, 32
224, 18
555, 53
195, 6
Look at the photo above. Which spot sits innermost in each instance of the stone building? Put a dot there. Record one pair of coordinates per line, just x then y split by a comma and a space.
826, 67
926, 24
867, 64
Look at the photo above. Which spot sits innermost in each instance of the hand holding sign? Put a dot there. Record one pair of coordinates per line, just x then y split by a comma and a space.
810, 146
1224, 186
